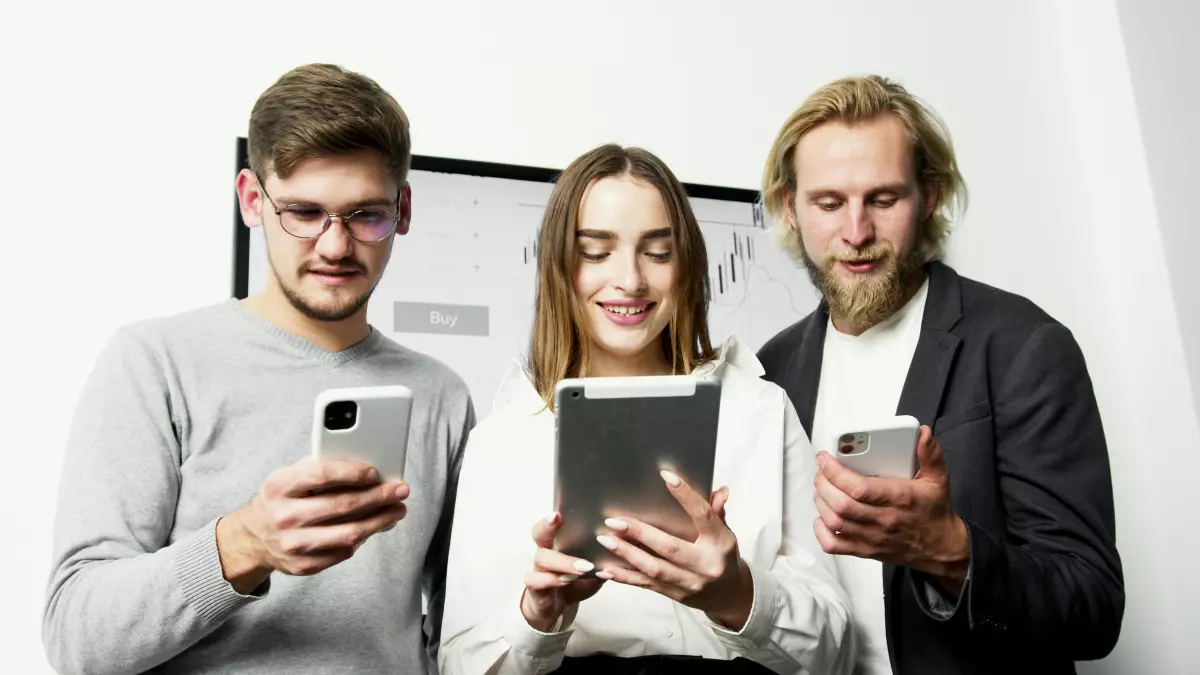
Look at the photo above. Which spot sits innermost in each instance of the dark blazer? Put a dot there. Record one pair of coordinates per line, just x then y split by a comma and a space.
1007, 393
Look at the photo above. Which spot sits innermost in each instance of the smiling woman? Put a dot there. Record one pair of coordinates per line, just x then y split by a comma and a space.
623, 291
624, 287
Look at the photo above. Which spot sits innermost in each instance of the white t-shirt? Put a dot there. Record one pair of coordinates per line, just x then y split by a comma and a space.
861, 380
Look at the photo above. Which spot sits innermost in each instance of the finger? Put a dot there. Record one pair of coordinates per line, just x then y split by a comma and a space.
718, 501
695, 505
348, 535
841, 504
844, 528
312, 564
538, 580
545, 529
681, 553
829, 517
834, 544
864, 489
309, 475
930, 459
348, 504
548, 560
653, 567
636, 578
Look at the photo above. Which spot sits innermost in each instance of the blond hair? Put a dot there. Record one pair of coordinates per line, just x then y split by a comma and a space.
559, 344
859, 99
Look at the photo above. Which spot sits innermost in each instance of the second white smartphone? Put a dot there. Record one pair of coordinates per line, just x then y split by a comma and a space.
365, 424
887, 450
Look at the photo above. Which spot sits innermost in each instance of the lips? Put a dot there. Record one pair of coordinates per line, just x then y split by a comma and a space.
626, 312
334, 276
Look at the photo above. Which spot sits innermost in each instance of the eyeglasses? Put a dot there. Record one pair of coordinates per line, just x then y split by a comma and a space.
305, 221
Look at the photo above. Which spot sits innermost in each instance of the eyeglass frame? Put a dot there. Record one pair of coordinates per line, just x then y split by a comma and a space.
330, 216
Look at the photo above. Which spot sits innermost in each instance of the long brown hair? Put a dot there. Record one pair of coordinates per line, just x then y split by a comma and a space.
560, 341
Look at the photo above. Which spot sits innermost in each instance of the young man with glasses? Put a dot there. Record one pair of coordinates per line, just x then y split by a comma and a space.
193, 533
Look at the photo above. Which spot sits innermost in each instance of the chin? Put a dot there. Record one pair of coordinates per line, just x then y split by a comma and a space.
327, 305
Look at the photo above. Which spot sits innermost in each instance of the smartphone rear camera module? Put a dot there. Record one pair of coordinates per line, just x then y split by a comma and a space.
341, 415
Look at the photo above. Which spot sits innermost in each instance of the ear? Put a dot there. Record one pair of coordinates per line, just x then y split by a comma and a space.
405, 219
929, 197
250, 198
789, 209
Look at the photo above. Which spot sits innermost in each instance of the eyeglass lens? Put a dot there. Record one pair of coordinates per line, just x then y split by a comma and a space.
366, 225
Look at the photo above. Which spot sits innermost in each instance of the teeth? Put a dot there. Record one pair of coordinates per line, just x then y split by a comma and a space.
624, 310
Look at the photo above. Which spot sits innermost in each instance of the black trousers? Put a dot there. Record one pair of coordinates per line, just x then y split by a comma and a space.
603, 664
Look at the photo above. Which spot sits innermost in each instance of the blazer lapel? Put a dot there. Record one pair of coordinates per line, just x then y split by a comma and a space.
930, 367
804, 370
929, 371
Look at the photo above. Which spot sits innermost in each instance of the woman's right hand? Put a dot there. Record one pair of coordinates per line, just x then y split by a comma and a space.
553, 588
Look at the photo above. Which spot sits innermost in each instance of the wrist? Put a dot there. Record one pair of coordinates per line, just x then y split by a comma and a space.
241, 554
536, 621
735, 616
950, 567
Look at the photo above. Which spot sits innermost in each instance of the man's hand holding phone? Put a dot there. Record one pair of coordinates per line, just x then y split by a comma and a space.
306, 517
902, 521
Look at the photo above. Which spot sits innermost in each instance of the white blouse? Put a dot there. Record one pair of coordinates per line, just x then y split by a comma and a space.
799, 621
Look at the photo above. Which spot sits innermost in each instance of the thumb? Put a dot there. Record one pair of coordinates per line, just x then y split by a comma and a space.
932, 465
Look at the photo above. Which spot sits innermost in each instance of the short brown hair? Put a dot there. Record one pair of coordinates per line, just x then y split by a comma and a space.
859, 99
322, 110
559, 343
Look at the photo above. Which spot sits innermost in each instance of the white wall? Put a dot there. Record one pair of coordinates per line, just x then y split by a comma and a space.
119, 120
1164, 64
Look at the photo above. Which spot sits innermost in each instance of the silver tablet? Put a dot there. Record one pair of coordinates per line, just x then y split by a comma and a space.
614, 436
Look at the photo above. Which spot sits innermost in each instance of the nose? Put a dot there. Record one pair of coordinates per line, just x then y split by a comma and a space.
859, 228
335, 242
631, 279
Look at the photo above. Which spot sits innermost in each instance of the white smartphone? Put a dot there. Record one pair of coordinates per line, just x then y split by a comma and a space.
365, 424
887, 450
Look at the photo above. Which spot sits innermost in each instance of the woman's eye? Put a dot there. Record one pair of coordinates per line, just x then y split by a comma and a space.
594, 257
659, 257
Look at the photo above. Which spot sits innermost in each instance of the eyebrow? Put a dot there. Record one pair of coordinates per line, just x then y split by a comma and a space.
661, 233
360, 204
894, 188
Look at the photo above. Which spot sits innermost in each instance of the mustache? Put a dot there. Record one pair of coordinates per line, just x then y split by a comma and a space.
341, 266
876, 251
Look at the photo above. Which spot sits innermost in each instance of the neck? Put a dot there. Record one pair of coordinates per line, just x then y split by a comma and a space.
649, 362
332, 336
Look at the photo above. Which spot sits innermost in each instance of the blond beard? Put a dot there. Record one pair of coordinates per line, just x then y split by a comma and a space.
866, 302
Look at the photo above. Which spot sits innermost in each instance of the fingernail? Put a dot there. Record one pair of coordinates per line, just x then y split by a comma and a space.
567, 577
725, 489
671, 478
402, 492
820, 461
372, 474
604, 575
583, 566
607, 542
616, 524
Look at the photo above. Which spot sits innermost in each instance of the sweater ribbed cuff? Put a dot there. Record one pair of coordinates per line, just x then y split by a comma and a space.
199, 575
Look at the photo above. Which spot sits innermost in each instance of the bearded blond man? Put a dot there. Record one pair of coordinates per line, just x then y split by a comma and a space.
999, 554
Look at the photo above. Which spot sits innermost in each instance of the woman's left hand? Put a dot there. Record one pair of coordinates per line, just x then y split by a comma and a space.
708, 574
